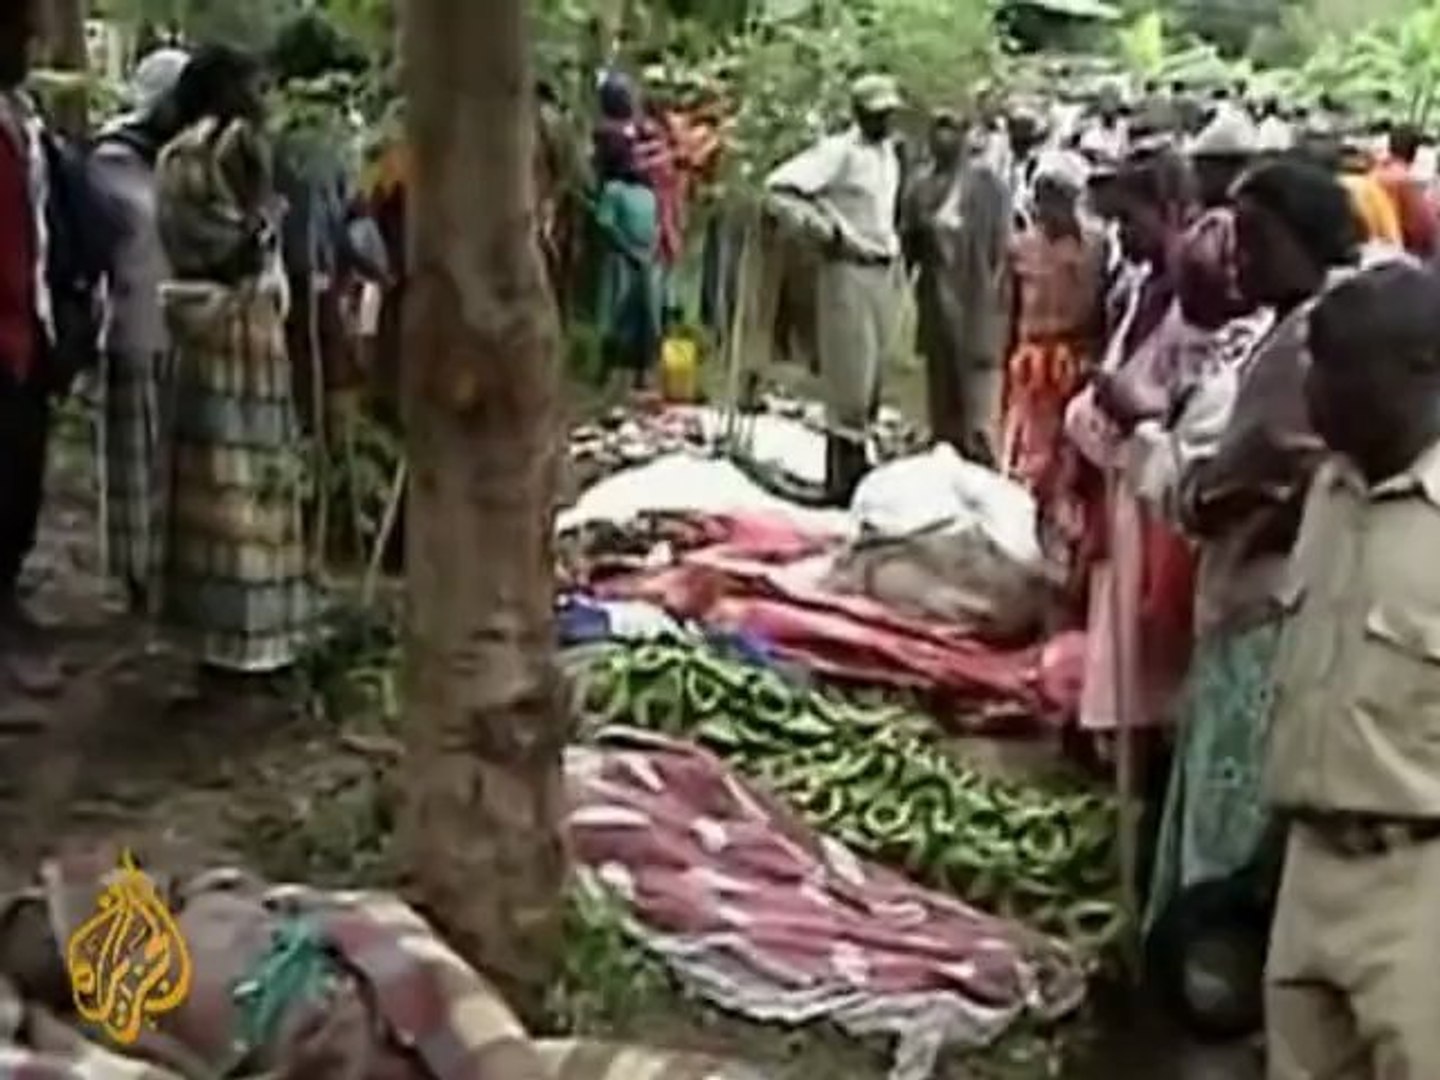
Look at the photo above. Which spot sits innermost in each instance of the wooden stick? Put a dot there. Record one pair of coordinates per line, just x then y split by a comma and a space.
352, 482
1126, 770
387, 527
317, 418
735, 345
102, 460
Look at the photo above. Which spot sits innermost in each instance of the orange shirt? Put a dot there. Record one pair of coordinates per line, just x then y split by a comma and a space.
1418, 223
1375, 209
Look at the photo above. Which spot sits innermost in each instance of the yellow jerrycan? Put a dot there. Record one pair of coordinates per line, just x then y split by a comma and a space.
680, 369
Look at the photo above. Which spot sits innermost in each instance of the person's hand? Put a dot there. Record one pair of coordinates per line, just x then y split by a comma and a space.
1126, 402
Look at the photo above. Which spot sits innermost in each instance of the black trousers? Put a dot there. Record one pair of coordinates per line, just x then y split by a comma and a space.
846, 463
24, 430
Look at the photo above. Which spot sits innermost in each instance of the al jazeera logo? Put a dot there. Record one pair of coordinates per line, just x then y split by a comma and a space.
128, 962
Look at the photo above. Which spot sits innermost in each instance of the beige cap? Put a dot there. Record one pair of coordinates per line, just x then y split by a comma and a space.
1230, 134
876, 94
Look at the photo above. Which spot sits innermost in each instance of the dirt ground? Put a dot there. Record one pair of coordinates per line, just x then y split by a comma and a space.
130, 749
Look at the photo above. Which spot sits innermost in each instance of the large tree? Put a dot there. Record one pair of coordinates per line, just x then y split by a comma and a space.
484, 721
64, 48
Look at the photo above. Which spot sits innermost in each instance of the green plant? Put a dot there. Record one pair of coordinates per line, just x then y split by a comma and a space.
605, 976
1389, 70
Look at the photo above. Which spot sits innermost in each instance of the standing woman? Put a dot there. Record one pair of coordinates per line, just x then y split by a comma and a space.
136, 343
1241, 495
1136, 566
628, 233
235, 580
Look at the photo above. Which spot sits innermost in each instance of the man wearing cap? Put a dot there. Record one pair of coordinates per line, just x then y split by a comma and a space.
1220, 153
844, 192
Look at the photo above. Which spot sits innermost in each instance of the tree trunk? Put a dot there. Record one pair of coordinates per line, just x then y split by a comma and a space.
64, 49
485, 725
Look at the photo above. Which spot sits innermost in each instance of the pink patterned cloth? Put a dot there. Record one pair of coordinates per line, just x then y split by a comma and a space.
763, 916
765, 579
1141, 592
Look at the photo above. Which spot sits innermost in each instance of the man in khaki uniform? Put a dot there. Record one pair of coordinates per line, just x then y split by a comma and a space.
844, 191
1353, 987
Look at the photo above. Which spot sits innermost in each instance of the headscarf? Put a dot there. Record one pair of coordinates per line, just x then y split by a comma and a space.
151, 83
154, 79
1206, 282
617, 132
618, 99
1064, 168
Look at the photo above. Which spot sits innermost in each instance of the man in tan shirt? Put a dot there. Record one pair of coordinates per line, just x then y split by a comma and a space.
1353, 987
844, 190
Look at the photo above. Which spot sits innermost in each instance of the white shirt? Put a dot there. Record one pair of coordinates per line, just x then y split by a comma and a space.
1274, 135
1105, 142
854, 182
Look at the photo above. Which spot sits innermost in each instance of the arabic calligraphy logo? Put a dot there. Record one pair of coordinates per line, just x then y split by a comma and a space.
128, 962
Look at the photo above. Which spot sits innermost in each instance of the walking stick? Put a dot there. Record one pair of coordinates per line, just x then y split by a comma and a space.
102, 459
1126, 771
387, 527
317, 417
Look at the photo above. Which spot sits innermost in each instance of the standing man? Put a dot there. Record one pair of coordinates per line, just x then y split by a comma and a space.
1354, 758
1027, 134
25, 318
1057, 272
1220, 154
844, 191
957, 229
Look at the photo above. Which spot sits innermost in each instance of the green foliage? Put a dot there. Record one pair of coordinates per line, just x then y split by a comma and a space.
1390, 69
240, 22
371, 22
1155, 46
1142, 44
789, 81
1229, 25
55, 90
605, 977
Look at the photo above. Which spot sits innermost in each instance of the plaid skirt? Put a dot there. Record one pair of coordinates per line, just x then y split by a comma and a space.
135, 464
236, 581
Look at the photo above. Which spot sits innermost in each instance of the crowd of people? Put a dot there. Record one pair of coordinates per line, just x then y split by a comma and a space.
1204, 335
186, 258
228, 279
1218, 376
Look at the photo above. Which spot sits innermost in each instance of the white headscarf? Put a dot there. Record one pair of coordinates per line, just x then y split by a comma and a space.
155, 77
1063, 167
